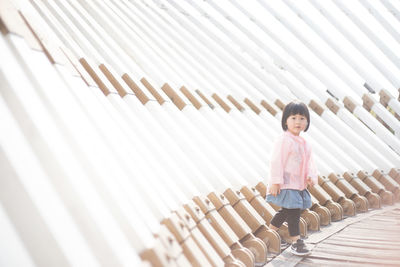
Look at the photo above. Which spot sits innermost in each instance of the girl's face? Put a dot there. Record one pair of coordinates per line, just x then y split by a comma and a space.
296, 123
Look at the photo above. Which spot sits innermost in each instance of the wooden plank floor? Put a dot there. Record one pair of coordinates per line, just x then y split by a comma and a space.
369, 239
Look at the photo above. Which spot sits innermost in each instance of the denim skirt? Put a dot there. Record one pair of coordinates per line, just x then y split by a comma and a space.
291, 199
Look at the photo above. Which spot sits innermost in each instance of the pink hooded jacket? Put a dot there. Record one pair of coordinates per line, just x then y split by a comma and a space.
291, 163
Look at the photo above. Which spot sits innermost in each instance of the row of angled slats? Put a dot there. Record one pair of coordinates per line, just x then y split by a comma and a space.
110, 165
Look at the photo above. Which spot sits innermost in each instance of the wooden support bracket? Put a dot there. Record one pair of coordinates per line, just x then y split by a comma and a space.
336, 211
97, 76
279, 104
257, 247
225, 231
398, 98
235, 103
320, 194
395, 174
385, 97
152, 90
337, 195
209, 233
376, 187
158, 256
221, 103
368, 102
252, 106
258, 202
216, 221
244, 209
349, 104
173, 249
191, 250
175, 98
330, 188
332, 104
231, 217
200, 240
389, 183
348, 205
191, 97
113, 79
205, 99
269, 107
323, 212
316, 107
134, 88
312, 219
239, 226
350, 192
374, 200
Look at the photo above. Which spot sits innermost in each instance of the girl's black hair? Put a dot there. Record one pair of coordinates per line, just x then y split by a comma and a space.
294, 108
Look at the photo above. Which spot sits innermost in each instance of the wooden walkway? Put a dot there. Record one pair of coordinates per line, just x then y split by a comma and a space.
370, 239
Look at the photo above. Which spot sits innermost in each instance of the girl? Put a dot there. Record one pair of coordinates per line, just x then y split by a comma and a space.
292, 169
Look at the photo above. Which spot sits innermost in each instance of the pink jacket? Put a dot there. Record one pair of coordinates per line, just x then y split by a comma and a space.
292, 162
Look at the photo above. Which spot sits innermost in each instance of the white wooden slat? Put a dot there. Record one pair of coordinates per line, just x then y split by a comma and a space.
114, 28
60, 99
14, 252
149, 171
150, 190
306, 95
383, 133
87, 99
243, 136
313, 42
235, 59
165, 141
255, 130
384, 114
156, 153
71, 183
209, 171
333, 85
353, 34
142, 148
367, 24
341, 45
344, 48
285, 45
214, 156
34, 208
377, 108
392, 8
381, 14
171, 33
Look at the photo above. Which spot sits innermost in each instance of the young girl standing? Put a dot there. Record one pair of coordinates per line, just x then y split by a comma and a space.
292, 169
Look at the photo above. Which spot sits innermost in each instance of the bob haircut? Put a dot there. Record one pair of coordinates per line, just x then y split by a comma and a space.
294, 108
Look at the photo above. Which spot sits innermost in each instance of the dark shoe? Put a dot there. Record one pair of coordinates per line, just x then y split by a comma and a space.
299, 248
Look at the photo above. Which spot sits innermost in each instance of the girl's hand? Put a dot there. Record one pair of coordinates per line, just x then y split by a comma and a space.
275, 189
310, 182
